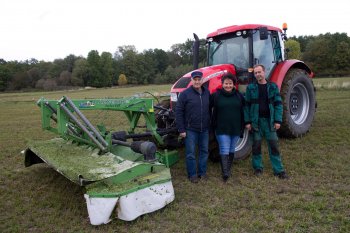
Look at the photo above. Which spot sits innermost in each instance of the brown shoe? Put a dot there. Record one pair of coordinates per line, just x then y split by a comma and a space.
194, 179
203, 177
258, 172
282, 175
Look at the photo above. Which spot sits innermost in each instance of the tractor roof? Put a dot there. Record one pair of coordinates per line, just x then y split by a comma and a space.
235, 28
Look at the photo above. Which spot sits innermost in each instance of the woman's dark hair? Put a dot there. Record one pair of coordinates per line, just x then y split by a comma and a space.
229, 76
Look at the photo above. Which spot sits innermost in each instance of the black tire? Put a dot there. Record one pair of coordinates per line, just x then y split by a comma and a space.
243, 148
299, 103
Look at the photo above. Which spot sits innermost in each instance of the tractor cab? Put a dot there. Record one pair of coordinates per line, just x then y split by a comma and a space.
245, 46
236, 49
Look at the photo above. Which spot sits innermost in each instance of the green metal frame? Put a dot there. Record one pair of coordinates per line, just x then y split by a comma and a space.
89, 157
133, 109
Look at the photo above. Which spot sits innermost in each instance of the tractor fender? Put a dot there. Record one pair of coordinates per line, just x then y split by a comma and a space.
282, 68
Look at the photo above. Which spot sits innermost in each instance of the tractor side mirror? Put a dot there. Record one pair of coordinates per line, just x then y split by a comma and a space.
263, 33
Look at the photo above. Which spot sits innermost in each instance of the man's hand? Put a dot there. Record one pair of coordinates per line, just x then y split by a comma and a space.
183, 135
248, 127
277, 126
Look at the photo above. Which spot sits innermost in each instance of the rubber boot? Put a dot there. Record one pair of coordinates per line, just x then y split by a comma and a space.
224, 167
231, 156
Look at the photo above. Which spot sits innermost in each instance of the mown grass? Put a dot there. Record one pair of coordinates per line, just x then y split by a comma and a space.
315, 199
342, 83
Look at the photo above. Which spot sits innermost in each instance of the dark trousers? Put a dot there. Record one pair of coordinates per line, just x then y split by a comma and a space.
272, 143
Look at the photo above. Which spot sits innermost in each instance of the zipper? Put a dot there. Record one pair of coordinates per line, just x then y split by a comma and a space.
200, 97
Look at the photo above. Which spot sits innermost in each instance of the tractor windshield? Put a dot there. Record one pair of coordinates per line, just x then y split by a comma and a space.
229, 50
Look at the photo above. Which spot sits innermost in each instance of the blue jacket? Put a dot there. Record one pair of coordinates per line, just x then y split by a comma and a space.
192, 110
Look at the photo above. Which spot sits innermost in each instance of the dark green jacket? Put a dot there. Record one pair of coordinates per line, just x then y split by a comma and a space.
214, 105
251, 113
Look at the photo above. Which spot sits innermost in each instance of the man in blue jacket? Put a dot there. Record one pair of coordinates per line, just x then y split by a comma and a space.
264, 117
192, 121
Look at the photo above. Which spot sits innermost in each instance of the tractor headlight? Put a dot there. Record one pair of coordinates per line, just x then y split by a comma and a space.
173, 97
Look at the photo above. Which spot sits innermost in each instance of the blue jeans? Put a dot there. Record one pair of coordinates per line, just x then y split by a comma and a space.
227, 143
193, 139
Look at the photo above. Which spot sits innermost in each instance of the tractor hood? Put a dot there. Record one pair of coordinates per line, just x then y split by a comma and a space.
210, 73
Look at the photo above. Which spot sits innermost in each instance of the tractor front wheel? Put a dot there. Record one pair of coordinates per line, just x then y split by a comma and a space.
299, 103
243, 146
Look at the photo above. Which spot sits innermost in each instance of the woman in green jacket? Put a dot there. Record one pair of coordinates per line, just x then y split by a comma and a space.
227, 120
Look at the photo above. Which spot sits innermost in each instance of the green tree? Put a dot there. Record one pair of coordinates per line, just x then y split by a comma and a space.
130, 62
326, 53
303, 41
147, 63
318, 56
45, 68
174, 56
95, 75
58, 65
106, 67
162, 60
5, 75
19, 81
202, 52
68, 62
173, 74
293, 48
34, 75
342, 58
80, 75
182, 54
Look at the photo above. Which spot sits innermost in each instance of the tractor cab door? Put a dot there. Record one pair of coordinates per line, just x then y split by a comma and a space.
267, 50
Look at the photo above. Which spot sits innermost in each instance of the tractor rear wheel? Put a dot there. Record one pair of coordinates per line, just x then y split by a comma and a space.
299, 103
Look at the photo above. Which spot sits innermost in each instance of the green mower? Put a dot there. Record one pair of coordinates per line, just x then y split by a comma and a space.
125, 169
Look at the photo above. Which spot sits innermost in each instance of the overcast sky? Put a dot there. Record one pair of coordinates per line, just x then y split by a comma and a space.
50, 29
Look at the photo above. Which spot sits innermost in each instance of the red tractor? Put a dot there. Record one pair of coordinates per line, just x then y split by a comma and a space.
237, 49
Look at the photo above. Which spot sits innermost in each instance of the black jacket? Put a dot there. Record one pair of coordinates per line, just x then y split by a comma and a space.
192, 110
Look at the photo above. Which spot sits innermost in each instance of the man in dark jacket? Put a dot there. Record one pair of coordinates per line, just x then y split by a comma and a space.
192, 122
264, 117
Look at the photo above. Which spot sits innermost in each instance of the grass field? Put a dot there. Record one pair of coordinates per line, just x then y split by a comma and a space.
315, 199
332, 83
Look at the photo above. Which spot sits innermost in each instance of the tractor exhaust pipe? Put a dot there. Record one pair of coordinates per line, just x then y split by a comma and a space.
195, 49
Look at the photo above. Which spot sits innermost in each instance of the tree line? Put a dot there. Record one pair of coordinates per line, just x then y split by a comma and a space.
327, 54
